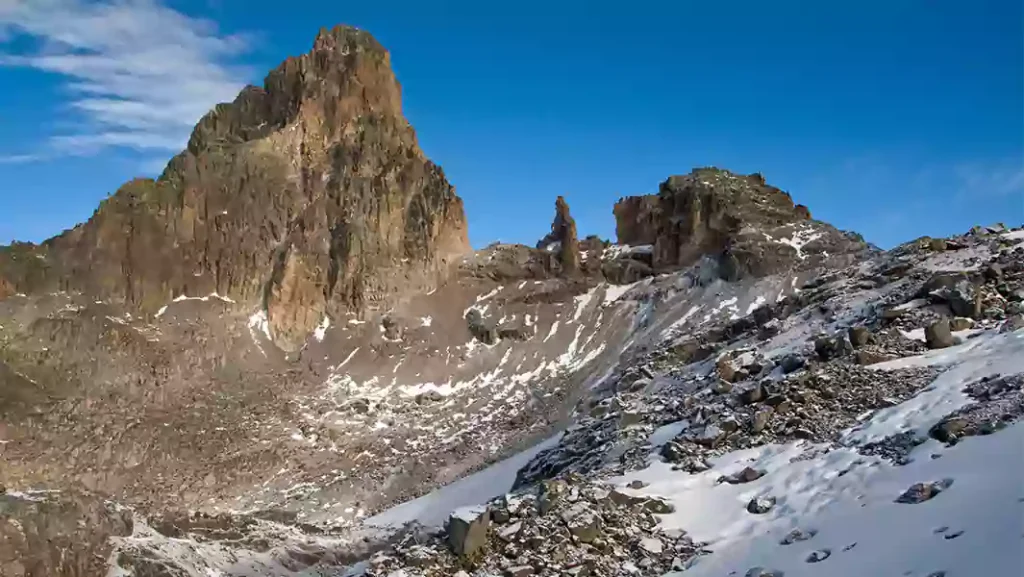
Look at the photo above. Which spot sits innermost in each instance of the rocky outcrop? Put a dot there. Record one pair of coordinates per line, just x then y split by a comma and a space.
751, 227
306, 196
562, 239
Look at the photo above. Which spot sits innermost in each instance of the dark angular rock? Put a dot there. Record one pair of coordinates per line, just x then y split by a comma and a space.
948, 430
798, 535
792, 362
482, 330
921, 492
747, 475
467, 530
834, 346
819, 555
761, 505
752, 394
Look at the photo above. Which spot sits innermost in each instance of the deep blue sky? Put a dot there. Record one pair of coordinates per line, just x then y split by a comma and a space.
893, 118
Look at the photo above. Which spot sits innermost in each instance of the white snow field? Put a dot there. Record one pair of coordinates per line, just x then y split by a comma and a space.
975, 528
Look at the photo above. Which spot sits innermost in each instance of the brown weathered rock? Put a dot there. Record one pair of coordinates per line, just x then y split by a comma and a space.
859, 336
938, 335
717, 213
562, 238
960, 323
306, 196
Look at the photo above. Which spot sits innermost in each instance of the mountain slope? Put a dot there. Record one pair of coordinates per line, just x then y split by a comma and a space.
257, 355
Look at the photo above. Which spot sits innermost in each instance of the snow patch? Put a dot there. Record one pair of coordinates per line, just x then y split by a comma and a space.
801, 238
321, 330
182, 298
582, 301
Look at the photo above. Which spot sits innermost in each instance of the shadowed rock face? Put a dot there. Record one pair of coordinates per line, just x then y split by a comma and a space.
307, 196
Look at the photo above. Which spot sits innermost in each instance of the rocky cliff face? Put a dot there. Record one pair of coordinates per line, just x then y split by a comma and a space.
307, 196
751, 227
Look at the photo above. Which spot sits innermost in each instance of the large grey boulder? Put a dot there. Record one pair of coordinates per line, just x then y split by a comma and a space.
467, 530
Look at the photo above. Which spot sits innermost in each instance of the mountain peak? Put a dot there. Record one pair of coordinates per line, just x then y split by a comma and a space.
304, 197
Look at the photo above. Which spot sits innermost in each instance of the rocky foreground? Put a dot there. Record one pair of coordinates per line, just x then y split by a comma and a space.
282, 358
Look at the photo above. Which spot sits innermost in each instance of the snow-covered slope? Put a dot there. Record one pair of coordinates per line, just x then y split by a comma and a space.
846, 504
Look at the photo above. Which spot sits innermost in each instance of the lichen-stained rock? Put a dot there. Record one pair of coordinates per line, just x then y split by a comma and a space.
308, 194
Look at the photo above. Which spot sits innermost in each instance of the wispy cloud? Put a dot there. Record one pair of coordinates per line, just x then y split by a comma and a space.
978, 180
22, 158
136, 73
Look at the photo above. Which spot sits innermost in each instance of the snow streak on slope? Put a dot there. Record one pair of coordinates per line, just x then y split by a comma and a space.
433, 509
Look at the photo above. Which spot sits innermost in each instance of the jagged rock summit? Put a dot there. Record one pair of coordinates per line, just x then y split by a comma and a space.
304, 197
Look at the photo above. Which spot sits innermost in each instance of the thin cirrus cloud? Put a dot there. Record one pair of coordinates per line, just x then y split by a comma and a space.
136, 74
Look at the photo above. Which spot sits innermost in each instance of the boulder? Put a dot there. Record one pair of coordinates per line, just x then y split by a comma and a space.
938, 336
832, 346
467, 530
797, 536
859, 336
960, 323
747, 475
954, 289
869, 357
481, 330
792, 362
760, 419
948, 430
751, 394
726, 370
921, 492
761, 505
583, 522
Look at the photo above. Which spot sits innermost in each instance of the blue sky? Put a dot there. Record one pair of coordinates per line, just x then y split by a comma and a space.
893, 118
